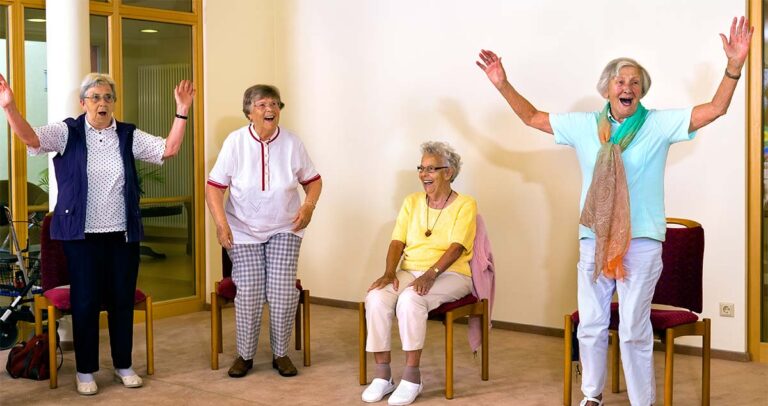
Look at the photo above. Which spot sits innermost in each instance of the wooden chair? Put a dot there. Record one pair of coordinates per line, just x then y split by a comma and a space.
55, 298
680, 285
225, 292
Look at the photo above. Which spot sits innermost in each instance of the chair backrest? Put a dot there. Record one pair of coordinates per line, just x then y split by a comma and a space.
226, 264
53, 262
680, 284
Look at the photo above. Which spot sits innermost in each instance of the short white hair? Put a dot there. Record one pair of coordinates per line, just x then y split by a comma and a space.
445, 151
612, 69
96, 79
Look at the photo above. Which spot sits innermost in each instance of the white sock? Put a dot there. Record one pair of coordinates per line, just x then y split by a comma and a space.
125, 372
84, 378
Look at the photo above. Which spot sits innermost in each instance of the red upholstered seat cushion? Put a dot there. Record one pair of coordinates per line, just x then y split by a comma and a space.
660, 319
228, 290
446, 307
59, 297
664, 319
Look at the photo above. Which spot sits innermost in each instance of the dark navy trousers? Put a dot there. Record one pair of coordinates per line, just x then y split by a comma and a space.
103, 270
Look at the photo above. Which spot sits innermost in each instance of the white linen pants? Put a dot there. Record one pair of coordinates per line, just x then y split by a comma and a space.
411, 308
643, 267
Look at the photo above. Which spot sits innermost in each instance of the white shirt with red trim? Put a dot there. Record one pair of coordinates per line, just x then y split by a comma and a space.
263, 179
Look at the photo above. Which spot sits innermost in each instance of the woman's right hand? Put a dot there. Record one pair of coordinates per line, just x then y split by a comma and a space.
224, 234
6, 94
491, 65
384, 281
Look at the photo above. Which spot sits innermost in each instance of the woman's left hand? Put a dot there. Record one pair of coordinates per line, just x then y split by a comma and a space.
424, 283
303, 217
736, 46
184, 94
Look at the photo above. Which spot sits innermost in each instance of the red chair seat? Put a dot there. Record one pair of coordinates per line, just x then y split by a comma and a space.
664, 319
660, 319
60, 297
446, 307
228, 290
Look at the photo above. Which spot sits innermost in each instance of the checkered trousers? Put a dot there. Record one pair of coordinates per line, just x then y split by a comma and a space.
265, 273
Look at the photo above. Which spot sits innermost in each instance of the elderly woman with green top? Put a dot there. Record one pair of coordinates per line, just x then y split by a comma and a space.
622, 151
433, 235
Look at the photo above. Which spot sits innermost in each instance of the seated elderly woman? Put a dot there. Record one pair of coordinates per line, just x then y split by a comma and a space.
434, 234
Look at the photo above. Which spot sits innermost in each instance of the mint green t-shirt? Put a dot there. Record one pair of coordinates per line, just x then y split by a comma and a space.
644, 162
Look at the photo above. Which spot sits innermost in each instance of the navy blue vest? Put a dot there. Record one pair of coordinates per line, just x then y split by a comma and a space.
68, 221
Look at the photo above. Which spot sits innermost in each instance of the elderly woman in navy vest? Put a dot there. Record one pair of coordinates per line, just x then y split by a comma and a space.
97, 212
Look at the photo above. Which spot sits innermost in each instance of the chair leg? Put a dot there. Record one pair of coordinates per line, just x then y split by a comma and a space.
485, 334
54, 372
149, 320
306, 319
705, 358
449, 355
615, 356
39, 304
669, 354
567, 360
297, 322
215, 319
362, 336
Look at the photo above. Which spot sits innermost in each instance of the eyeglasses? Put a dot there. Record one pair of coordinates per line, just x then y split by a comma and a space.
430, 169
272, 105
96, 98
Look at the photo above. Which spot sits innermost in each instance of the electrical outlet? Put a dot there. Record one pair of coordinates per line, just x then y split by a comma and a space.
726, 309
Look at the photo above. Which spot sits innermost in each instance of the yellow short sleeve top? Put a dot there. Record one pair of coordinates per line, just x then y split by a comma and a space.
456, 224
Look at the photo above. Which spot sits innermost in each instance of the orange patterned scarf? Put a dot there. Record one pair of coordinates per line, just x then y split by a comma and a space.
606, 209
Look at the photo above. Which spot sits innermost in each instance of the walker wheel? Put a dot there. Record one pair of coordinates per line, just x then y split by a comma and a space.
9, 333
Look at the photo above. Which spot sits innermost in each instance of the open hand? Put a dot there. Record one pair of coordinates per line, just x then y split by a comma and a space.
736, 46
184, 94
424, 283
491, 65
384, 281
6, 94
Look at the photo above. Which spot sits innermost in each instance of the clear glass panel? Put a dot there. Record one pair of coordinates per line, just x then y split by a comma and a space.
764, 273
99, 44
153, 63
36, 78
5, 134
176, 5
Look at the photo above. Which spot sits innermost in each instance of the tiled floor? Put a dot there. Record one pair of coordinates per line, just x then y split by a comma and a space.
525, 370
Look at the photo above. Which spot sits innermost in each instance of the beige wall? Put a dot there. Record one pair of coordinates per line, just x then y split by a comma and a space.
367, 81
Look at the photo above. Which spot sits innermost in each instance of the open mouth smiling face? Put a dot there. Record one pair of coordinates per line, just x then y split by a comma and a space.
624, 92
265, 116
98, 105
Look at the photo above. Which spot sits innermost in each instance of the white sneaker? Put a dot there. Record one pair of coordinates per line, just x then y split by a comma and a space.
86, 388
405, 393
378, 389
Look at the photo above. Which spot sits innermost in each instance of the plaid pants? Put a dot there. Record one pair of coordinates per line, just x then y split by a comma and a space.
265, 273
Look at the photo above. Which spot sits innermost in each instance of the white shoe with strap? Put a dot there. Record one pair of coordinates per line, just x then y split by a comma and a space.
586, 399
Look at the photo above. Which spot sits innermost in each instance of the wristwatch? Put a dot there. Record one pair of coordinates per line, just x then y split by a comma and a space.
437, 271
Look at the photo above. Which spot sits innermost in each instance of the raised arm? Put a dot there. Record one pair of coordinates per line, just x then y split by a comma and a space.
18, 124
736, 48
491, 65
184, 94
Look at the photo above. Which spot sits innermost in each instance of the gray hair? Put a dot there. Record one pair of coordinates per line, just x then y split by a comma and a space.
612, 70
96, 79
445, 151
257, 92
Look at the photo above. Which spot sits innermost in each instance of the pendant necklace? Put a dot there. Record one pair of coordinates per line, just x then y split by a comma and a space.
429, 230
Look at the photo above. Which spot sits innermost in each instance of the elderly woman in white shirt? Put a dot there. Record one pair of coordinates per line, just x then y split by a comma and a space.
97, 214
263, 222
